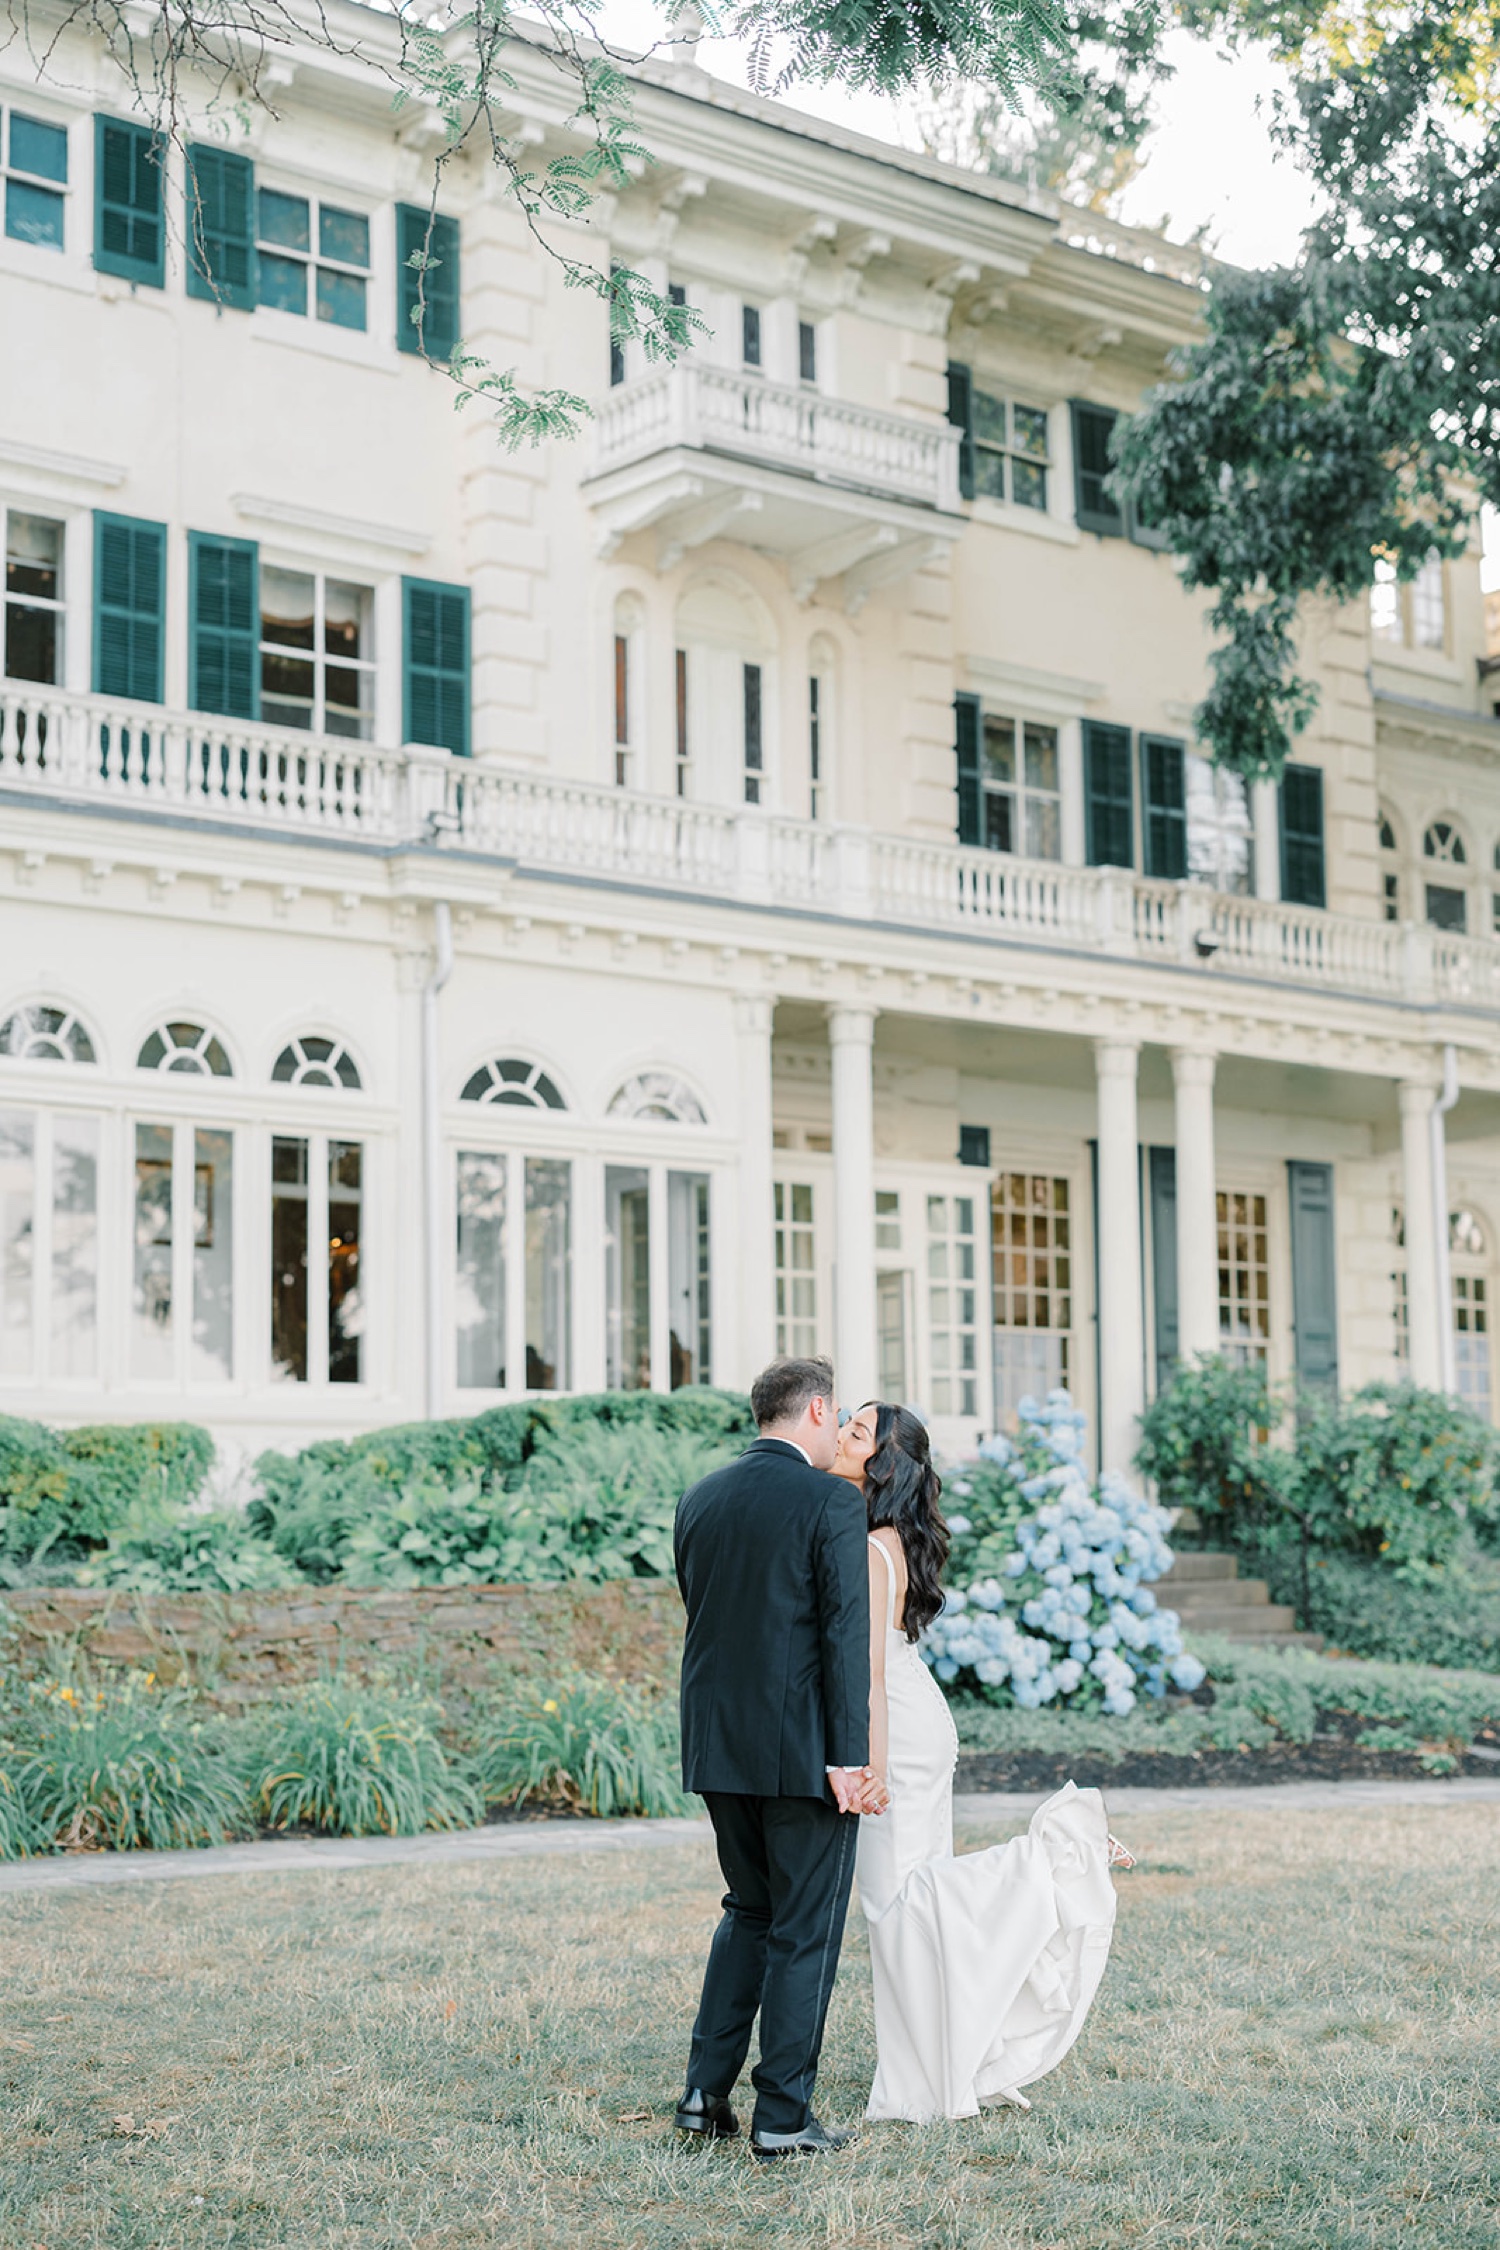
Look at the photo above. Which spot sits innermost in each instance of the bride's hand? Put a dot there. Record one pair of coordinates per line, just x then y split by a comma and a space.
874, 1795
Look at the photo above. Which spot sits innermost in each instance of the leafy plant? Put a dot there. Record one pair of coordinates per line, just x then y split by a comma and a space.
214, 1551
1362, 1607
63, 1492
586, 1743
1204, 1443
130, 1764
357, 1761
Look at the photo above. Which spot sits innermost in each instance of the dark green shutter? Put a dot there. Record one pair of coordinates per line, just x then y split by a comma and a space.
1108, 804
1164, 806
130, 601
967, 733
129, 228
221, 227
432, 290
961, 415
1095, 509
1314, 1287
1161, 1174
1302, 879
223, 625
437, 665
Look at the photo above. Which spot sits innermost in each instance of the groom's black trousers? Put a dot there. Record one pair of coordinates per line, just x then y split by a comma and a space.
788, 1862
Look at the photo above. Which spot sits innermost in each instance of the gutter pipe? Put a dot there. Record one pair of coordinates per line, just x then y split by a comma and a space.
432, 1171
1444, 1101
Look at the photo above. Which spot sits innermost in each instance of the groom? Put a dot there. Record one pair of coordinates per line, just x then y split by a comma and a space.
772, 1563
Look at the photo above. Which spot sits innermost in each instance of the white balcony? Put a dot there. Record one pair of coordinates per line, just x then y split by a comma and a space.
89, 754
840, 492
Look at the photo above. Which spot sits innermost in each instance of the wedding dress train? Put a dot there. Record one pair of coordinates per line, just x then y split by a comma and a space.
985, 1965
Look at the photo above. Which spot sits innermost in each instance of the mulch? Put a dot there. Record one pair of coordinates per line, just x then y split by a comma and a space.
1328, 1757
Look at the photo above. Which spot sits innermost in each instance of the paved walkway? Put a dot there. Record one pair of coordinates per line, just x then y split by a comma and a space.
525, 1839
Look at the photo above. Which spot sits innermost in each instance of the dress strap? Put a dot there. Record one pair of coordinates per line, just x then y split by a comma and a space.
884, 1553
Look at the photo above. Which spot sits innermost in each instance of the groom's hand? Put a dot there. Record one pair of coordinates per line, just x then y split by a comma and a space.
848, 1784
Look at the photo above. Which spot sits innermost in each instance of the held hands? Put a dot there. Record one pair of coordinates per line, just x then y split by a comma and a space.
858, 1789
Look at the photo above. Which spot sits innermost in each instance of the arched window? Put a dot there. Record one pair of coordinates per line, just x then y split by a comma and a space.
1390, 868
1447, 902
315, 1061
37, 1033
522, 1085
186, 1047
1469, 1255
656, 1094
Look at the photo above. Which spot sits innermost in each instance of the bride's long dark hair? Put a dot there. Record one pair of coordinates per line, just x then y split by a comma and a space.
902, 1490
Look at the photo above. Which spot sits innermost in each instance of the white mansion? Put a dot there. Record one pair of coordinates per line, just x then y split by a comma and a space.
478, 923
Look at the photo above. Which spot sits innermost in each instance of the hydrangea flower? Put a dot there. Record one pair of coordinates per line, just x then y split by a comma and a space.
1072, 1618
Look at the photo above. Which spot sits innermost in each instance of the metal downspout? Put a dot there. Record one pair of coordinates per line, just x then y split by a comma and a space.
432, 1170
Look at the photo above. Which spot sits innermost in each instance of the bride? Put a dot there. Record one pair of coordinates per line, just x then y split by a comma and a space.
984, 1966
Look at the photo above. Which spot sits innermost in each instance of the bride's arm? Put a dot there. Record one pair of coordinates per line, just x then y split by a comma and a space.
880, 1728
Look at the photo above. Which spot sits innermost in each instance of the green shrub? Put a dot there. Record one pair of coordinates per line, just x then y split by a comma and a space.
586, 1743
63, 1492
131, 1765
1448, 1617
214, 1551
357, 1761
1203, 1446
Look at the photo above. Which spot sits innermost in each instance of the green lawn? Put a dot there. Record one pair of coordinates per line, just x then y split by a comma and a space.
1297, 2048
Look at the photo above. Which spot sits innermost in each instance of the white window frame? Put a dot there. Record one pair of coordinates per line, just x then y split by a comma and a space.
58, 606
319, 656
62, 189
312, 258
41, 1105
318, 1137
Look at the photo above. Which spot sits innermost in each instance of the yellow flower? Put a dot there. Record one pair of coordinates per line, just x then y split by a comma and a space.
549, 1705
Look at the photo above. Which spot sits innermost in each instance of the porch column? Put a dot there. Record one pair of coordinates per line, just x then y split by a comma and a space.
1197, 1207
755, 1291
1425, 1346
851, 1036
1122, 1387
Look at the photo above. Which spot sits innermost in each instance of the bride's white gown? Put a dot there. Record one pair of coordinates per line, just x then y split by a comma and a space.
985, 1965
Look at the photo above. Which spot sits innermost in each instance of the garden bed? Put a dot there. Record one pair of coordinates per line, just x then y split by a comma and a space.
1329, 1757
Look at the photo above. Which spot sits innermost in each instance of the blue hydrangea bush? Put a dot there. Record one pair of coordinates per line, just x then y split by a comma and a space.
1069, 1617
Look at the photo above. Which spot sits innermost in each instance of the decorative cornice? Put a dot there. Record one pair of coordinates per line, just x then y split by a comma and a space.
347, 530
76, 468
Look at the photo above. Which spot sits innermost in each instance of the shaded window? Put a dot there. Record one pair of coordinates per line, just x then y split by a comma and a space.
315, 1061
522, 1085
185, 1047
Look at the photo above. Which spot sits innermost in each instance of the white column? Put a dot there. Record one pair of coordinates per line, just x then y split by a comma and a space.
1122, 1386
1421, 1237
851, 1035
755, 1292
1197, 1209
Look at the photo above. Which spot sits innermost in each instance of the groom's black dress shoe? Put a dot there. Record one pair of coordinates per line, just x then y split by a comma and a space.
708, 2114
813, 2140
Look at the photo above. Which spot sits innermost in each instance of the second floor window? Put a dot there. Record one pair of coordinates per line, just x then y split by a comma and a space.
1010, 451
754, 739
36, 173
33, 598
1447, 900
1022, 800
316, 653
312, 255
750, 335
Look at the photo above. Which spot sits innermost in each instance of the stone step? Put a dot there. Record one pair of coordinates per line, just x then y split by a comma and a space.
1255, 1622
1218, 1593
1200, 1568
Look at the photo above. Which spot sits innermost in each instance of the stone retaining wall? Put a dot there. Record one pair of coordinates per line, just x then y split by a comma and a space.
248, 1644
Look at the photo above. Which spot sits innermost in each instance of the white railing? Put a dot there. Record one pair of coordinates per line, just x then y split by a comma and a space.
92, 753
718, 410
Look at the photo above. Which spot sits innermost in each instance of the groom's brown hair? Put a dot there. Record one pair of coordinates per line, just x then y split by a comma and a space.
783, 1392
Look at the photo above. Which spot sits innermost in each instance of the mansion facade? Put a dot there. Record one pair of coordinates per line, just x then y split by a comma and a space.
482, 923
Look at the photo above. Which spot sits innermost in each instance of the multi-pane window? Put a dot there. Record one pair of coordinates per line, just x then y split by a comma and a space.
622, 709
38, 1033
683, 744
317, 666
314, 1061
890, 1333
796, 1272
49, 1246
755, 754
807, 351
1010, 451
1469, 1254
311, 252
33, 598
1385, 602
1414, 615
815, 746
189, 1050
1244, 1277
952, 1304
627, 1277
689, 1321
317, 1233
498, 1297
182, 1295
750, 335
1390, 870
36, 174
1428, 620
1022, 799
1447, 902
1031, 1256
616, 341
887, 1219
1220, 848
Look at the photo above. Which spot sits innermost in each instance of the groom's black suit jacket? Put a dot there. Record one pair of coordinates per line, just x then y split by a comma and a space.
772, 1563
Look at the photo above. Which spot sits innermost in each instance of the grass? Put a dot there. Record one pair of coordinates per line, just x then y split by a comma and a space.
1294, 2050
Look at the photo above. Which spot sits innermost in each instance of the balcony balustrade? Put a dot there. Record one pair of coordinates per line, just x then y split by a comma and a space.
93, 755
